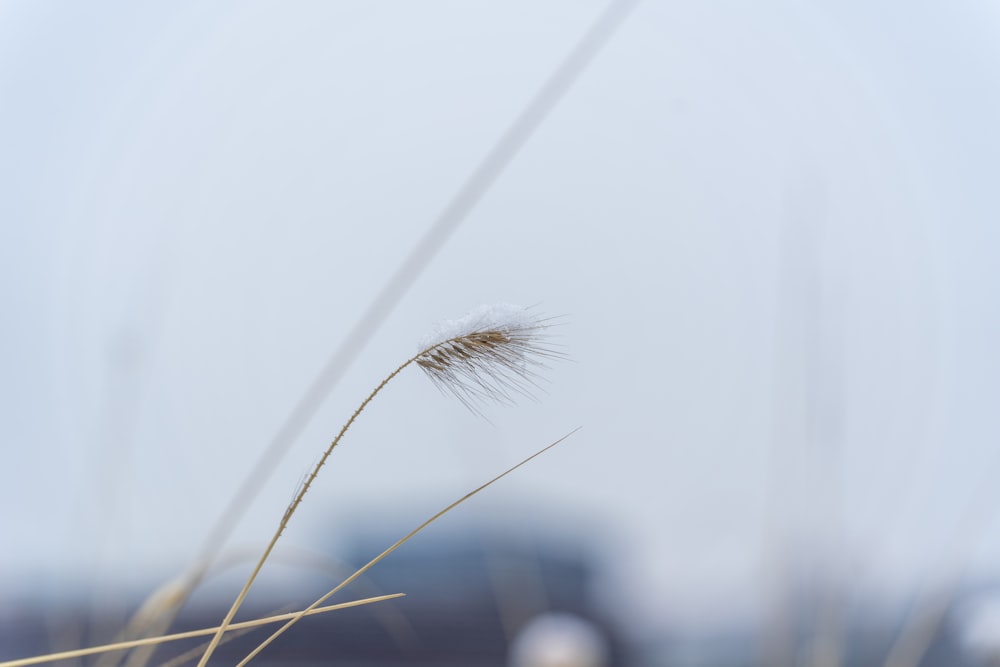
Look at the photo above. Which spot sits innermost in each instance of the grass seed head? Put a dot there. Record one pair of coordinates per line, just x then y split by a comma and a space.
490, 355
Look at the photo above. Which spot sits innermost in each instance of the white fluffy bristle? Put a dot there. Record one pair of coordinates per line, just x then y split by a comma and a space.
486, 355
491, 317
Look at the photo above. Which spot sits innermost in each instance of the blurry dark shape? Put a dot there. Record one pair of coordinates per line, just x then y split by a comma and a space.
468, 598
469, 601
457, 618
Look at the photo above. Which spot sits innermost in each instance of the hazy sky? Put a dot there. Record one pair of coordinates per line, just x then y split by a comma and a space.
771, 227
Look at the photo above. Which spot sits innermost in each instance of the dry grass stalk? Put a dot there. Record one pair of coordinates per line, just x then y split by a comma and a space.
489, 354
367, 566
149, 641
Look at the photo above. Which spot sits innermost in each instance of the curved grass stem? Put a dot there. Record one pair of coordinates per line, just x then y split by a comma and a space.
286, 517
485, 357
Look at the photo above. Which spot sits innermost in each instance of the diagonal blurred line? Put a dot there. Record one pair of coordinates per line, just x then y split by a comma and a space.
471, 192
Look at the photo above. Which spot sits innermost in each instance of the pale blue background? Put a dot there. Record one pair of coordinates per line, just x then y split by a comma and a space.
772, 226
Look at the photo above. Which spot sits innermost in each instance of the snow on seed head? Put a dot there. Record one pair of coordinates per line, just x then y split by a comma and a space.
488, 355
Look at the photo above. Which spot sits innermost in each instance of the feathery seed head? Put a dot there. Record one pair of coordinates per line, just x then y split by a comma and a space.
487, 355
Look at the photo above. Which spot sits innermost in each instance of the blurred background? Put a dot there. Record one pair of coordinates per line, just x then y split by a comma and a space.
771, 231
